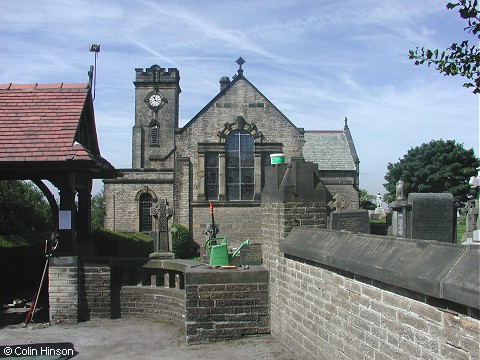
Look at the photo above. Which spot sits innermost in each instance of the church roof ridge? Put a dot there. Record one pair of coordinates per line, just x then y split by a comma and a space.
37, 86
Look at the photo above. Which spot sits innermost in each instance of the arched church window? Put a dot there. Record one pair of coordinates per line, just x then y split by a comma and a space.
154, 134
240, 165
145, 218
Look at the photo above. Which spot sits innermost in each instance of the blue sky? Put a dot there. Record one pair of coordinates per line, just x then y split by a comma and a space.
317, 61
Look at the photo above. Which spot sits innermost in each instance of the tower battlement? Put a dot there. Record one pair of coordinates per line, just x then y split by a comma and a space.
156, 74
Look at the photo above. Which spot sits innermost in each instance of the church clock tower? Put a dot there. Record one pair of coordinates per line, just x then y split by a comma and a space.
156, 117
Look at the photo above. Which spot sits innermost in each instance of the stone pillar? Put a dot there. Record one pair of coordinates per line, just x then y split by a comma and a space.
222, 181
258, 175
293, 196
182, 194
63, 289
201, 176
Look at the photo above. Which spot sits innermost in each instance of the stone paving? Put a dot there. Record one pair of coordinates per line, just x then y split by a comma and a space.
120, 339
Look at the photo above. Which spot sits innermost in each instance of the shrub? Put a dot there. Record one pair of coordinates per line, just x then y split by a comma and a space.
111, 243
182, 245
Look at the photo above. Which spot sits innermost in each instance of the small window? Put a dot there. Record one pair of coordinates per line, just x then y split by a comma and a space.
154, 134
211, 176
145, 217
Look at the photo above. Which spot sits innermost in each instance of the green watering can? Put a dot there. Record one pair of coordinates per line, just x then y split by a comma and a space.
217, 249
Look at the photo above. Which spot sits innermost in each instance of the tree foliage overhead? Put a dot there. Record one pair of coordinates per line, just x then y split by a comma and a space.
366, 200
23, 209
438, 166
459, 59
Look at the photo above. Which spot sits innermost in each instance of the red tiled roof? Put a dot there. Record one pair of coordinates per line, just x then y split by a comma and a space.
38, 122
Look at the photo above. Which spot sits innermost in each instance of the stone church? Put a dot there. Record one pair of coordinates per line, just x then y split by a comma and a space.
219, 156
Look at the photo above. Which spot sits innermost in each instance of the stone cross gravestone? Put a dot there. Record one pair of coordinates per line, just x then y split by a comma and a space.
338, 202
431, 217
162, 212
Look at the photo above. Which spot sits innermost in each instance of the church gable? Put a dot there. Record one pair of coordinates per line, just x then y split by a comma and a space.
240, 106
229, 142
241, 99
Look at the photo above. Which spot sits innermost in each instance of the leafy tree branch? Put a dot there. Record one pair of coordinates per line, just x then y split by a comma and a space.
460, 58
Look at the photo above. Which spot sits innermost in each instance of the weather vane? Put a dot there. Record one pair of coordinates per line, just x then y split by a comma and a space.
95, 48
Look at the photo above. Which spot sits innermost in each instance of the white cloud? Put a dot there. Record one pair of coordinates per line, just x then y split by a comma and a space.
316, 61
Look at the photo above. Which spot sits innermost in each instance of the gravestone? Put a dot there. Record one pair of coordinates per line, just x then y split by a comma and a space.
399, 224
251, 254
162, 241
475, 183
350, 220
431, 217
471, 215
399, 208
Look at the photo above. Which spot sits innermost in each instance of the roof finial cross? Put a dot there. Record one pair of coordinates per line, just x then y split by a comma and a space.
240, 62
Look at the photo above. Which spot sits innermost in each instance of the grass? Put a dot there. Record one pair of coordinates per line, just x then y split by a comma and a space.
29, 239
461, 225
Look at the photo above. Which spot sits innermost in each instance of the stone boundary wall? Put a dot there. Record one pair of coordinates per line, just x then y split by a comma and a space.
212, 304
226, 304
148, 302
94, 291
325, 306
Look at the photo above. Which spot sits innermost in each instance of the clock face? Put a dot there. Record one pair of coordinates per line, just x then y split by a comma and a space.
155, 100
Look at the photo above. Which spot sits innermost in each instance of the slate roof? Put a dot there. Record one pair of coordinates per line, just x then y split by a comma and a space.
47, 123
330, 149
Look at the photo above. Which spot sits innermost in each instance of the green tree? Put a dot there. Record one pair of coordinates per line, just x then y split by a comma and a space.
438, 166
98, 210
23, 208
366, 200
459, 59
181, 242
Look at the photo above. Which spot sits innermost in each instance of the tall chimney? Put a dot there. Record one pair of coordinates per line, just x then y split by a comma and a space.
224, 81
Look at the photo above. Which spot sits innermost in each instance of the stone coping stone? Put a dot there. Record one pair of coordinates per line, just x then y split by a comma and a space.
63, 261
428, 267
206, 275
153, 290
463, 279
309, 244
167, 264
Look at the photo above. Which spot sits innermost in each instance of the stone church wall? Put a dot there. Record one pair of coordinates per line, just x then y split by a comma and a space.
121, 198
235, 222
